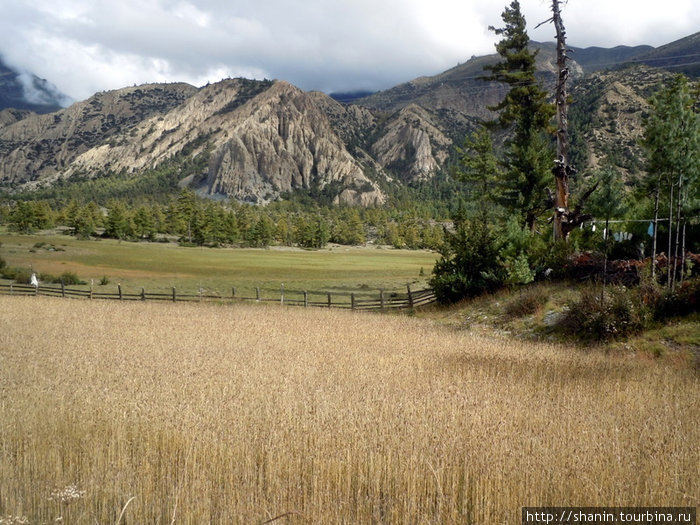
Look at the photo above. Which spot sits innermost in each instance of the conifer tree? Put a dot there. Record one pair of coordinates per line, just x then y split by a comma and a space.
479, 169
527, 115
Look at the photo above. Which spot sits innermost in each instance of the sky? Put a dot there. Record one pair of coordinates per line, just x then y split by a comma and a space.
86, 46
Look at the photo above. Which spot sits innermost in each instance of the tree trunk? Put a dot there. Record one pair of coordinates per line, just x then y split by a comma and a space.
656, 229
561, 169
670, 235
683, 254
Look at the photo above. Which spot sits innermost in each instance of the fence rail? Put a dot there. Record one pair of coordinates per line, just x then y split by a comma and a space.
384, 301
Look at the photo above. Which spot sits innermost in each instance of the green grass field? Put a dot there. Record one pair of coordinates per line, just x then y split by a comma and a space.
159, 266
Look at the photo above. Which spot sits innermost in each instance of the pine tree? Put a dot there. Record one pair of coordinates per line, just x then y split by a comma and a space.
607, 202
118, 224
480, 170
527, 115
144, 223
23, 217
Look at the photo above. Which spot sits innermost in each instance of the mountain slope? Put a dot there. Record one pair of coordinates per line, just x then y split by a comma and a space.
594, 58
607, 114
681, 56
42, 147
260, 140
26, 91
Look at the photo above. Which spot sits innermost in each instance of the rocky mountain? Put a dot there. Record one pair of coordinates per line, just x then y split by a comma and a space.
262, 139
607, 115
25, 91
259, 140
41, 148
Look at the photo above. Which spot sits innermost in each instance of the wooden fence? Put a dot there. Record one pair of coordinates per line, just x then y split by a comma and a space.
384, 301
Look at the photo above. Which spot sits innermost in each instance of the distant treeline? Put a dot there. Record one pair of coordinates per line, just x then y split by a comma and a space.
202, 222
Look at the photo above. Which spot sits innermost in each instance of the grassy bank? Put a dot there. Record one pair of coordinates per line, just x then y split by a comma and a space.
240, 414
533, 312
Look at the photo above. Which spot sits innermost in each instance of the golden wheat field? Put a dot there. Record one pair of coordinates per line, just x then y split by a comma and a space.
145, 413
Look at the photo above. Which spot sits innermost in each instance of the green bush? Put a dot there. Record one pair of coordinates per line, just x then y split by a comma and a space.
605, 314
469, 264
48, 278
19, 275
70, 278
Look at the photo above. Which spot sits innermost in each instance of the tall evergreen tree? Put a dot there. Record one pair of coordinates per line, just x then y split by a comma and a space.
527, 115
479, 169
118, 224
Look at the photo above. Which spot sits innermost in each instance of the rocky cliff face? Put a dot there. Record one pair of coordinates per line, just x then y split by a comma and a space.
42, 147
262, 138
412, 144
280, 142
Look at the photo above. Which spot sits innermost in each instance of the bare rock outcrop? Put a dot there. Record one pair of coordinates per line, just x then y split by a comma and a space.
412, 143
41, 147
263, 139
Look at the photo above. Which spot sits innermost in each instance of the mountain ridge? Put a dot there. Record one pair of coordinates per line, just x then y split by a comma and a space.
264, 139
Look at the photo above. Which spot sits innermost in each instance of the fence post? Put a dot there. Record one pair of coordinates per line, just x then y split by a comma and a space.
282, 294
233, 292
200, 294
11, 290
257, 293
410, 297
143, 294
352, 301
174, 295
119, 287
381, 298
92, 284
63, 288
306, 299
329, 299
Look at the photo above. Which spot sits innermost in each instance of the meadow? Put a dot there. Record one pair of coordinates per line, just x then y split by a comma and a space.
161, 266
137, 413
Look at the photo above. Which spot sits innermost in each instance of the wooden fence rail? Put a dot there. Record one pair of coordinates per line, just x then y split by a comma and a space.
384, 301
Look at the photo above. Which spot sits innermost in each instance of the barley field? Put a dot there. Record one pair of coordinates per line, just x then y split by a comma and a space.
146, 413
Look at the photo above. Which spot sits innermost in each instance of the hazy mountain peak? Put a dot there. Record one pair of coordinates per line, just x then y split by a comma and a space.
24, 90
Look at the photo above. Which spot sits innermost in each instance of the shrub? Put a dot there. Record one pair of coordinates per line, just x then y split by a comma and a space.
682, 301
20, 275
528, 302
604, 314
48, 278
69, 278
469, 264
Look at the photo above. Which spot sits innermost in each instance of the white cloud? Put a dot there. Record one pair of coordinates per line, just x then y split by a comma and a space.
85, 46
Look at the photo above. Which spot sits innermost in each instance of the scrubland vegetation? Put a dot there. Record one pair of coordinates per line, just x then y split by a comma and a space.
162, 413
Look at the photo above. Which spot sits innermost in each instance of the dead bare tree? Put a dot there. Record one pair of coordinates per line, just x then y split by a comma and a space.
565, 220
